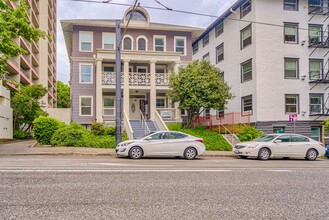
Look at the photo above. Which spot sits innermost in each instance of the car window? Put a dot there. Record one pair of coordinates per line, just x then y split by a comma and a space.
174, 135
297, 138
284, 138
265, 138
157, 136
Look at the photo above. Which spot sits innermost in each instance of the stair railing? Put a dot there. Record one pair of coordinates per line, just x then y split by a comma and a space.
233, 136
144, 124
162, 126
127, 125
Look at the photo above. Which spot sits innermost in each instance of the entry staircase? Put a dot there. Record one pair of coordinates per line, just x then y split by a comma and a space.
141, 128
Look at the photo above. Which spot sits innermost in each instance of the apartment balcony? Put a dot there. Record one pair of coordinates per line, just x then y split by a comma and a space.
29, 4
25, 61
137, 79
35, 20
35, 74
25, 44
35, 47
35, 60
318, 41
35, 6
109, 78
12, 66
25, 72
50, 59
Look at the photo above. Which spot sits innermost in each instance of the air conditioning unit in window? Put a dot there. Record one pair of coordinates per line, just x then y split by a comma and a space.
245, 113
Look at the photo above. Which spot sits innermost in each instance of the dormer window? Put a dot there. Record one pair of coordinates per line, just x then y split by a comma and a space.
136, 16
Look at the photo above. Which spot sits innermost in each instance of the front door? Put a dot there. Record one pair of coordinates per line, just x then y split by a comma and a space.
134, 109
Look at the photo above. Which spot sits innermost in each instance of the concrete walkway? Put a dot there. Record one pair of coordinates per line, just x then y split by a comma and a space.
24, 148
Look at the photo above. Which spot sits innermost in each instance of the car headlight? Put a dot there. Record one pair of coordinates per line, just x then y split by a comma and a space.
123, 150
125, 144
252, 145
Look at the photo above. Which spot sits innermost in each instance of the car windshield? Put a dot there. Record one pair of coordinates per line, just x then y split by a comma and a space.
147, 135
265, 138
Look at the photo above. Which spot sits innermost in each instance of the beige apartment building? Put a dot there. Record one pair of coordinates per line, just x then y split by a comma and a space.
39, 65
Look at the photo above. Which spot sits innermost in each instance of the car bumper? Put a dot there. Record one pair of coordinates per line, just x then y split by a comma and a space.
121, 153
246, 152
327, 153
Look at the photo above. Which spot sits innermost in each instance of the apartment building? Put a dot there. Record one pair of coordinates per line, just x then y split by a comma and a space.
39, 65
150, 52
274, 55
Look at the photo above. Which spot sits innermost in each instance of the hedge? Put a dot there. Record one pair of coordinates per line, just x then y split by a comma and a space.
44, 127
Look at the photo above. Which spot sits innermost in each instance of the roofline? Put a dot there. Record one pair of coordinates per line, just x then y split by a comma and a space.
220, 19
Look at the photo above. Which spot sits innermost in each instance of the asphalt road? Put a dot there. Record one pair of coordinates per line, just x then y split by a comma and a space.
208, 188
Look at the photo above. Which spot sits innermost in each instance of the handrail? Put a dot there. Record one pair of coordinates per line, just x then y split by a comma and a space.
147, 129
160, 122
232, 135
127, 125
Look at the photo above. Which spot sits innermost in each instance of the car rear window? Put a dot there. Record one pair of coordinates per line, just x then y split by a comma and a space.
296, 138
174, 135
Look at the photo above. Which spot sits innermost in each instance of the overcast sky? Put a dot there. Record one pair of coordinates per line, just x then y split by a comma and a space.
67, 9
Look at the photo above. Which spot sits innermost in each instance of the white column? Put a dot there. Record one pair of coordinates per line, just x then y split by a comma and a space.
99, 91
178, 116
126, 87
153, 90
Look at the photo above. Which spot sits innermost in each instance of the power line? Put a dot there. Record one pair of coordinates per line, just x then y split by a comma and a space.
130, 17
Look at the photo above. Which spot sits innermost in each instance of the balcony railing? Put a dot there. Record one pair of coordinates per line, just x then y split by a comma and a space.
167, 114
109, 78
25, 72
137, 79
162, 79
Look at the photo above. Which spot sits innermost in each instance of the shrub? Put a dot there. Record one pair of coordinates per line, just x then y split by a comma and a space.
69, 135
18, 134
110, 131
248, 133
44, 128
97, 128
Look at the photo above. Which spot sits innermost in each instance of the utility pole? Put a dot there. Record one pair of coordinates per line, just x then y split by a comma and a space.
118, 82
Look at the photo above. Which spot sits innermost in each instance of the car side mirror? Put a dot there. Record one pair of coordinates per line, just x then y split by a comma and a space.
277, 141
148, 138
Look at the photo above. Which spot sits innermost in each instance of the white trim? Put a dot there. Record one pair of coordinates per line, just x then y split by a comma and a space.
114, 39
108, 65
146, 42
165, 102
164, 42
91, 75
164, 67
143, 67
92, 105
132, 42
92, 40
114, 106
185, 46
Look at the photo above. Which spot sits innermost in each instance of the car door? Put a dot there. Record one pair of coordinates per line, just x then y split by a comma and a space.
299, 145
280, 146
177, 143
156, 144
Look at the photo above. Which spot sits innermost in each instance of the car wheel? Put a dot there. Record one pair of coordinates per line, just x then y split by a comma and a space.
264, 154
243, 157
190, 153
311, 154
136, 153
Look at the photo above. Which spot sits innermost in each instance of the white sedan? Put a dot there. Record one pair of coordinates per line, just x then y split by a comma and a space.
162, 143
281, 145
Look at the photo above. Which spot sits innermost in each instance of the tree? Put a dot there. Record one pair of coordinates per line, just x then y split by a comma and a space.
27, 106
197, 87
63, 95
14, 23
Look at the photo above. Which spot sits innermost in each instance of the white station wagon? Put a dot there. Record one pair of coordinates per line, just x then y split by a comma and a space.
162, 143
281, 145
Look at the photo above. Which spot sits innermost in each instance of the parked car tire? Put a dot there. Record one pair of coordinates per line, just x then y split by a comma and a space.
311, 154
243, 157
264, 154
136, 153
190, 153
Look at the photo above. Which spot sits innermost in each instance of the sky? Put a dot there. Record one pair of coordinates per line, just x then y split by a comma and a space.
68, 9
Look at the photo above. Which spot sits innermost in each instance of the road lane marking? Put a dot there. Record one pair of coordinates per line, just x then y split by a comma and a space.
108, 171
130, 165
279, 170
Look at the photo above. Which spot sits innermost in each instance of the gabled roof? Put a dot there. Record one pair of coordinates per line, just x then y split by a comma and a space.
220, 19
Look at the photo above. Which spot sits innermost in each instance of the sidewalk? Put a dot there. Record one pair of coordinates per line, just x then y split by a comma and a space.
25, 148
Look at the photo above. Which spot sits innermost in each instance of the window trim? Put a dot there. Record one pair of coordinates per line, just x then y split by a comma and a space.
297, 67
132, 42
297, 6
243, 112
108, 65
164, 67
164, 102
297, 105
242, 73
241, 34
321, 31
217, 54
241, 11
206, 55
322, 103
222, 29
92, 106
91, 74
114, 104
146, 42
164, 37
284, 33
321, 68
197, 48
103, 39
204, 44
142, 67
185, 44
92, 41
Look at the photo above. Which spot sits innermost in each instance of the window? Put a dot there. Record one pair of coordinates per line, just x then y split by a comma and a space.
174, 135
316, 133
86, 73
279, 129
195, 48
246, 37
141, 43
205, 40
160, 103
109, 69
219, 29
108, 106
159, 43
316, 104
86, 106
245, 8
220, 53
316, 69
290, 5
315, 6
291, 33
246, 105
127, 43
315, 35
206, 57
291, 68
292, 104
297, 138
136, 16
108, 41
284, 138
246, 71
86, 41
207, 112
160, 69
180, 45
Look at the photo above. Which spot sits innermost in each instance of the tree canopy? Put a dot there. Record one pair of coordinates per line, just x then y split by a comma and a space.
14, 23
199, 86
27, 106
63, 95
